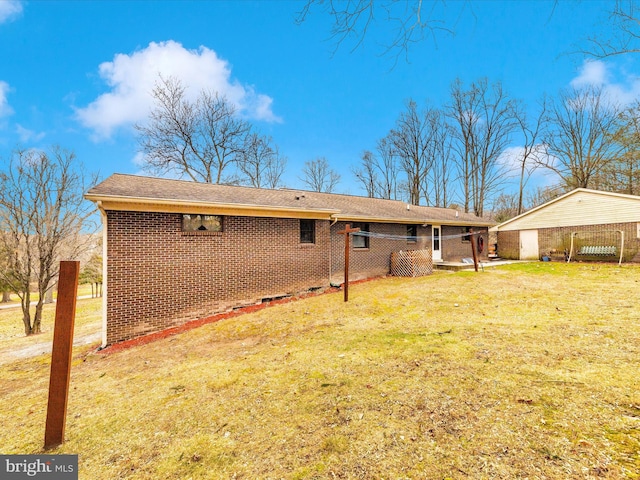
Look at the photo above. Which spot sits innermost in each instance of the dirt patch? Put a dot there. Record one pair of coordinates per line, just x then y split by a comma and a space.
10, 354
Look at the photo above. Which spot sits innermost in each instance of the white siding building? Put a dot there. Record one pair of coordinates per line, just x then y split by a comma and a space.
584, 224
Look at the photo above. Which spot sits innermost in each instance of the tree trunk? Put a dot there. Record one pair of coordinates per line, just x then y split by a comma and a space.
6, 296
26, 313
37, 319
26, 319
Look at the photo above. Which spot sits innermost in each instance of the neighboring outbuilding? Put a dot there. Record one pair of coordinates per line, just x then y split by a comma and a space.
580, 225
176, 251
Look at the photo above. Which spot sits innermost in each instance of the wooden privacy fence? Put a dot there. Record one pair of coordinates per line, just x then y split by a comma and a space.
411, 263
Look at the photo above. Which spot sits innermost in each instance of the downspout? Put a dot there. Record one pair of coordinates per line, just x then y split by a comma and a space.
103, 217
621, 247
571, 248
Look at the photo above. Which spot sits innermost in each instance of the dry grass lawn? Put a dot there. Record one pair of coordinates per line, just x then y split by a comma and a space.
526, 371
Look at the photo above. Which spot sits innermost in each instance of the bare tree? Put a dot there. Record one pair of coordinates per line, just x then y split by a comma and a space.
43, 218
388, 167
409, 21
5, 268
581, 136
623, 36
367, 174
199, 139
484, 118
441, 151
544, 194
532, 149
505, 207
378, 172
419, 147
412, 141
622, 173
460, 111
261, 163
319, 176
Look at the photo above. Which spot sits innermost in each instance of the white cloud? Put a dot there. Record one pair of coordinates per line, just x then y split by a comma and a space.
131, 79
511, 157
5, 109
10, 10
27, 135
618, 87
592, 73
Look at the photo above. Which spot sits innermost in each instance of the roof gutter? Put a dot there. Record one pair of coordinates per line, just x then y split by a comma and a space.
411, 221
125, 203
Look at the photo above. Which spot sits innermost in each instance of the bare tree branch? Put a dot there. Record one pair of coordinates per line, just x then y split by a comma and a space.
260, 163
409, 21
531, 149
319, 176
581, 136
200, 139
484, 118
43, 219
624, 32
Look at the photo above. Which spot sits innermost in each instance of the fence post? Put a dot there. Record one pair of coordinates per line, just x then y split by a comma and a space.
473, 249
61, 354
346, 232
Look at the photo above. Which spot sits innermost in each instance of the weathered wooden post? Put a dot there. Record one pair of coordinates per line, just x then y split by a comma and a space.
61, 354
346, 232
473, 249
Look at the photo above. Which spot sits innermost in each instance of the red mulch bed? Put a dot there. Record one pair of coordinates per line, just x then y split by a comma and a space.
152, 337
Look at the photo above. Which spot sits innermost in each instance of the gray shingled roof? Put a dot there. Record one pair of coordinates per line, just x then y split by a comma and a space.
159, 190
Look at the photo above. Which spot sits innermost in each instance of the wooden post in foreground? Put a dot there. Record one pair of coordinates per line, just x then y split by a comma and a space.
346, 232
473, 249
61, 354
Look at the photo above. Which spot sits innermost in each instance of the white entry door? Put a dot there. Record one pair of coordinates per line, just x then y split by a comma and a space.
436, 242
529, 245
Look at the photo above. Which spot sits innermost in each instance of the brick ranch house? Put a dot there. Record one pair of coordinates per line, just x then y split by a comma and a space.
176, 250
584, 224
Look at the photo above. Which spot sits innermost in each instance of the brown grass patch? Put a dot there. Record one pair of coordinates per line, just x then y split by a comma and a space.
527, 371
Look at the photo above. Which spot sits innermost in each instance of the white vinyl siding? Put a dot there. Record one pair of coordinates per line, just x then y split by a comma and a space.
579, 208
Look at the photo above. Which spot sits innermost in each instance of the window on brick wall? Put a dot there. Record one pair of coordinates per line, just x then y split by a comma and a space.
412, 233
307, 231
360, 241
201, 223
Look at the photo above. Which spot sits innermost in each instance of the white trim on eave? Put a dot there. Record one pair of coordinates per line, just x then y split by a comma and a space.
125, 203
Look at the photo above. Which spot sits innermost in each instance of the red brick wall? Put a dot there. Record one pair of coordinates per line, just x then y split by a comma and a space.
375, 260
455, 248
509, 245
554, 241
159, 276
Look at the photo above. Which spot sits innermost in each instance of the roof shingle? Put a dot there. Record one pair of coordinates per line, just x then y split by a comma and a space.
149, 190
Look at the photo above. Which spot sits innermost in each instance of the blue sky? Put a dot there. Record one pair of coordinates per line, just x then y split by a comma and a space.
78, 74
